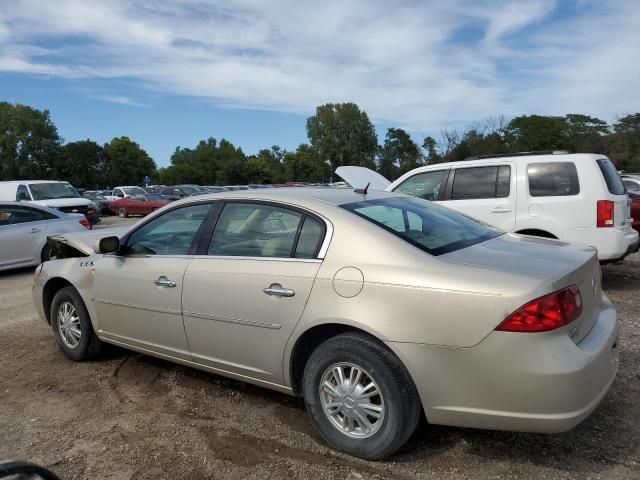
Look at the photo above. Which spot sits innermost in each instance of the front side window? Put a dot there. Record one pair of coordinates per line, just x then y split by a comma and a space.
260, 230
481, 182
15, 215
555, 179
431, 228
172, 233
424, 185
51, 191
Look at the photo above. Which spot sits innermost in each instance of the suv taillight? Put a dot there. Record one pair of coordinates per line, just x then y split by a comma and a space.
545, 313
605, 213
85, 223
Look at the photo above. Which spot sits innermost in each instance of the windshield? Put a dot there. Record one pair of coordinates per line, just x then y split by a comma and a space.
432, 228
190, 190
134, 191
94, 196
49, 191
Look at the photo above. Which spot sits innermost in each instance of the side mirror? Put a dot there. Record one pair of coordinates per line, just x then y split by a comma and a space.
107, 245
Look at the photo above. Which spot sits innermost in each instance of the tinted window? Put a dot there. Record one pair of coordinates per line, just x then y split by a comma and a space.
424, 185
22, 193
481, 182
311, 236
432, 228
255, 230
553, 179
169, 234
15, 215
611, 177
631, 186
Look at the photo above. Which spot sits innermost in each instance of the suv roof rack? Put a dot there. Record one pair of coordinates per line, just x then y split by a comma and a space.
519, 154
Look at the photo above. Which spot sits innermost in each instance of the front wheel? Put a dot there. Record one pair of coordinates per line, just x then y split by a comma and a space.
122, 213
360, 396
72, 327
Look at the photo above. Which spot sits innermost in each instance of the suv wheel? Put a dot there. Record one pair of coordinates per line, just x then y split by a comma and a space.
72, 327
360, 397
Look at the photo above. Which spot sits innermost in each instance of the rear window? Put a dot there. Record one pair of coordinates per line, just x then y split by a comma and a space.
555, 179
481, 182
611, 177
433, 229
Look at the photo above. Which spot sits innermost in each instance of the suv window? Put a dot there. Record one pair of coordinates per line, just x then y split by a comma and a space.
431, 228
555, 179
172, 233
481, 182
260, 230
22, 193
611, 177
14, 215
424, 185
631, 186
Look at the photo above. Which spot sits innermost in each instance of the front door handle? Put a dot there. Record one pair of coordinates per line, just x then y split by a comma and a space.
164, 282
277, 290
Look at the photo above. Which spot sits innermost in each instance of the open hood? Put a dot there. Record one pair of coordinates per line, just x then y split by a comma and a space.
81, 243
359, 177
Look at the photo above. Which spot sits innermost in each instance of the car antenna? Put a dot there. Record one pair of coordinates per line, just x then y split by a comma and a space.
364, 190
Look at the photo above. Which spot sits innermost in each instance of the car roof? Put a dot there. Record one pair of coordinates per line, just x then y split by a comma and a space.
36, 206
329, 195
22, 182
562, 157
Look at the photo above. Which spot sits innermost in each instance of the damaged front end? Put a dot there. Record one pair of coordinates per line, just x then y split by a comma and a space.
78, 245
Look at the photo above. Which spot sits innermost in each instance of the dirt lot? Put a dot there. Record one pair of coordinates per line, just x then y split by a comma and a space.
131, 416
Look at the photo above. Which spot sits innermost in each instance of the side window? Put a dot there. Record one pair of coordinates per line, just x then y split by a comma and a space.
555, 179
481, 182
118, 193
137, 198
631, 186
255, 230
424, 185
310, 239
172, 233
22, 193
16, 215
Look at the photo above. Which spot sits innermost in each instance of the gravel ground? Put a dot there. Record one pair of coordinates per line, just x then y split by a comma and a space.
131, 416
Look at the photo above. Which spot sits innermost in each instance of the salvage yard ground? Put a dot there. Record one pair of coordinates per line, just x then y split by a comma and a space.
131, 416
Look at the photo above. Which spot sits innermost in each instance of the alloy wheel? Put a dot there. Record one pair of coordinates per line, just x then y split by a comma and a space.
69, 325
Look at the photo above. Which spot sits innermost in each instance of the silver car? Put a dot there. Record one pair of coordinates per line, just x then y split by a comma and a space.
375, 307
24, 228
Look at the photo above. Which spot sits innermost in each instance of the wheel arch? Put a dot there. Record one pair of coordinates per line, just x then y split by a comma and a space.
536, 232
49, 291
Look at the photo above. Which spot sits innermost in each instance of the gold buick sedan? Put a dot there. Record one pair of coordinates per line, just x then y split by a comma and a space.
375, 307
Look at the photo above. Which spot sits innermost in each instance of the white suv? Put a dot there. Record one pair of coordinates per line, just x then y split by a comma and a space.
574, 197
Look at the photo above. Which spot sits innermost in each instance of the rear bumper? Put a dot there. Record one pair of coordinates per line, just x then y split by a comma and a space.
613, 244
515, 381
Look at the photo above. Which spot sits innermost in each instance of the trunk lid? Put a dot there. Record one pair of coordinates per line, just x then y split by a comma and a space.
552, 263
359, 177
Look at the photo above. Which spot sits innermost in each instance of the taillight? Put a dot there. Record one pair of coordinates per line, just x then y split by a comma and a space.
85, 223
545, 313
605, 213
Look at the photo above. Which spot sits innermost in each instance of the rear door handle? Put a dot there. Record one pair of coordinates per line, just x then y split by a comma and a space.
277, 290
163, 281
500, 210
36, 230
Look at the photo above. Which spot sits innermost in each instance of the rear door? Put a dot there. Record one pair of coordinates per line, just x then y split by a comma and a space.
245, 294
486, 192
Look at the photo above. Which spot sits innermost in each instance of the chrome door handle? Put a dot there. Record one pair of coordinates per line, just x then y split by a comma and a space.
276, 290
164, 282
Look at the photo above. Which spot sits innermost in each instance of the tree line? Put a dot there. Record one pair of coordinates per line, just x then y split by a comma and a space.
338, 134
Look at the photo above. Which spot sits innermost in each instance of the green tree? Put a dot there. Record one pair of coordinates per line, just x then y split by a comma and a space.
232, 164
305, 165
82, 164
126, 162
342, 134
399, 154
29, 142
585, 134
536, 132
623, 146
430, 146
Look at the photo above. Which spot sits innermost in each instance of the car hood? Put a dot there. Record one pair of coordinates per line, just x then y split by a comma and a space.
83, 242
63, 202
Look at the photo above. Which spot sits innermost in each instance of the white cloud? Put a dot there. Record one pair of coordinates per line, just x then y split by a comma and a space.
407, 63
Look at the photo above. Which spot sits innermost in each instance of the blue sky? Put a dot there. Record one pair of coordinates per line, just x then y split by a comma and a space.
171, 73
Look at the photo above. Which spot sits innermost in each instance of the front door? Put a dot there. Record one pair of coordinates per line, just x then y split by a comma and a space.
243, 299
138, 292
22, 231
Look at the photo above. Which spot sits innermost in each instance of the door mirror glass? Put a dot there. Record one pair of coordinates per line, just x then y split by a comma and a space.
107, 245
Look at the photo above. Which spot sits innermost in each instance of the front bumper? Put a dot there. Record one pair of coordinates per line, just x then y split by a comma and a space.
515, 381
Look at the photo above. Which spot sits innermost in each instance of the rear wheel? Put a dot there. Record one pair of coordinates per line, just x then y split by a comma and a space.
360, 397
72, 327
122, 213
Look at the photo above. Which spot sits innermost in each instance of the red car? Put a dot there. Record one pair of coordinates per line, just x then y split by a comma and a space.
635, 210
137, 204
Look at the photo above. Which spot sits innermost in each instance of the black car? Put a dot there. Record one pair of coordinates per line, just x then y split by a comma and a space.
176, 192
99, 199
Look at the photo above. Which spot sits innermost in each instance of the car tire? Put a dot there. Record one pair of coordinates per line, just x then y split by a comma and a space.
396, 403
69, 316
122, 213
46, 254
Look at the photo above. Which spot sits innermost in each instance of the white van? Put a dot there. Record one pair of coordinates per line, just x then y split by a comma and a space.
574, 197
50, 193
